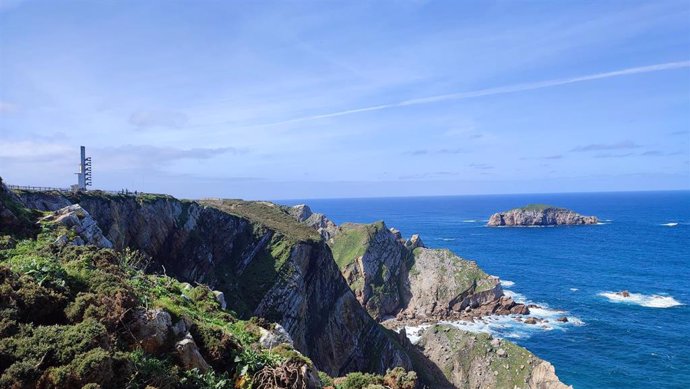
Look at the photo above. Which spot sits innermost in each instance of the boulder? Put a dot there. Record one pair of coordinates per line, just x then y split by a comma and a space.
220, 297
152, 330
414, 242
189, 355
274, 337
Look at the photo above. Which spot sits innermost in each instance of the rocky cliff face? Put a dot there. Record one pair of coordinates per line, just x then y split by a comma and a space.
373, 260
265, 262
441, 283
539, 215
318, 221
394, 277
476, 360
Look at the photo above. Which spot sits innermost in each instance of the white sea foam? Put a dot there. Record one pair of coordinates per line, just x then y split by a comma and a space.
414, 333
672, 224
508, 326
447, 239
469, 221
513, 326
574, 289
507, 284
643, 300
518, 297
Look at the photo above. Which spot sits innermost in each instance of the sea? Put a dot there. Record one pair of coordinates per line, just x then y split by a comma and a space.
642, 245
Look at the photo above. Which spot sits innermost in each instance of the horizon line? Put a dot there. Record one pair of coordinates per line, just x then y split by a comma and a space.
475, 194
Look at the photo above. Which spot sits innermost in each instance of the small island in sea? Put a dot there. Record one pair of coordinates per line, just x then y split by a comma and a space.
539, 215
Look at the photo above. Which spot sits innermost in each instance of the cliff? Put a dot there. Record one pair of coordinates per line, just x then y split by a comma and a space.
395, 277
75, 313
539, 215
253, 264
265, 262
476, 360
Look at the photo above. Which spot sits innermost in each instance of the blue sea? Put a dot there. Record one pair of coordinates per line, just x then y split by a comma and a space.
642, 245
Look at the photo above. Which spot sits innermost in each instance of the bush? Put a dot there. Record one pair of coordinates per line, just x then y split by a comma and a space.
358, 380
325, 379
151, 371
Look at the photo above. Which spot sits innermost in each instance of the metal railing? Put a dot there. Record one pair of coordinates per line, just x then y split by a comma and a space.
37, 188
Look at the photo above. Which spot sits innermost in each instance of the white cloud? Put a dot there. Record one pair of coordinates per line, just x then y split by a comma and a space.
158, 118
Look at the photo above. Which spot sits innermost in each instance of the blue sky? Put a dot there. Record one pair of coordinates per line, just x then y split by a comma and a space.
276, 100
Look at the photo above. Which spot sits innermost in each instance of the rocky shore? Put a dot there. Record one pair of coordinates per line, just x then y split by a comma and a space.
539, 215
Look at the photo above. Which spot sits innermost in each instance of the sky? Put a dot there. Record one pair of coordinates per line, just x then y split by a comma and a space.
337, 99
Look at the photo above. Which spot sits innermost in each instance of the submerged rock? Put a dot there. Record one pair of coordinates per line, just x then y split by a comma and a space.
539, 215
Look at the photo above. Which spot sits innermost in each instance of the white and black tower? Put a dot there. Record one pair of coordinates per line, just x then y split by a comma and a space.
84, 174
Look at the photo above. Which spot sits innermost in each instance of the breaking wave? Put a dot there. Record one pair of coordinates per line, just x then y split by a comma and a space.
643, 300
507, 284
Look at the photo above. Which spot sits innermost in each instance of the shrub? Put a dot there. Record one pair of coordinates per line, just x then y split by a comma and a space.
325, 379
358, 380
151, 371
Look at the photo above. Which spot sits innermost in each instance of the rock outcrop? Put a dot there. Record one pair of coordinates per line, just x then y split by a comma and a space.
441, 284
303, 214
79, 222
539, 215
373, 260
395, 277
476, 360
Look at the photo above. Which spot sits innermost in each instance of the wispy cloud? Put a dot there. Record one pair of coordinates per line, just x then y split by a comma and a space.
435, 151
428, 175
131, 156
623, 145
610, 155
481, 166
487, 92
30, 150
659, 153
6, 107
158, 118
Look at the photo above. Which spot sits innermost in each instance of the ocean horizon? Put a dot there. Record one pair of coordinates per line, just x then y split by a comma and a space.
641, 245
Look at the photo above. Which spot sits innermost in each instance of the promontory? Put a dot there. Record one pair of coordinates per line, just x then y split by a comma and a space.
539, 215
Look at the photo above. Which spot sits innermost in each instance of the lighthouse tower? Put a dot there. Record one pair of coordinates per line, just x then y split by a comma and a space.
84, 174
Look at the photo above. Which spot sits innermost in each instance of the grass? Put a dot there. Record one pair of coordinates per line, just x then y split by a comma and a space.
269, 215
25, 218
537, 207
352, 242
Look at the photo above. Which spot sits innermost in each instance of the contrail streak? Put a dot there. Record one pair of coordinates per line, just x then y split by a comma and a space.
490, 91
